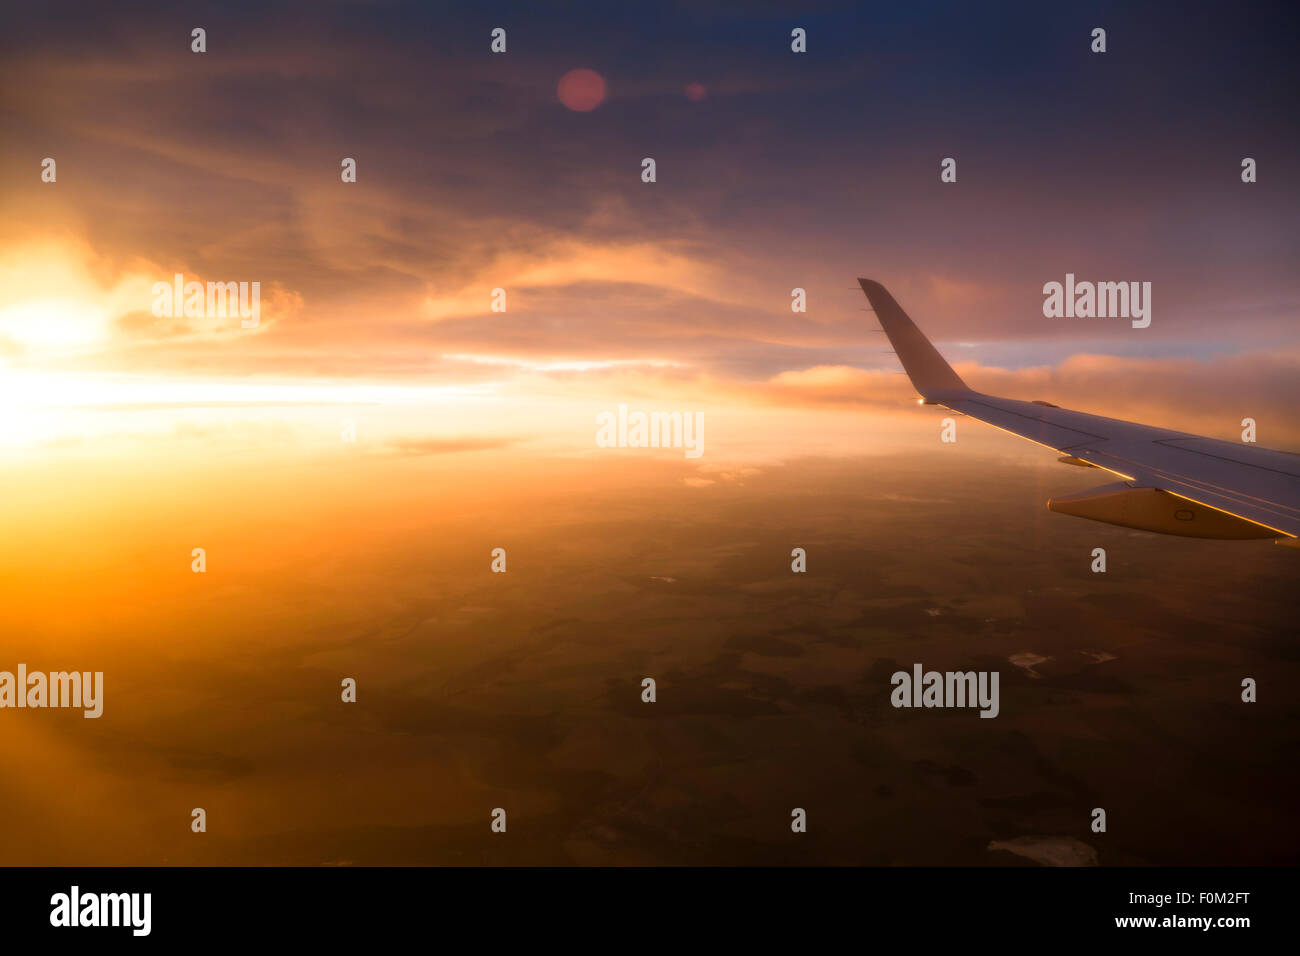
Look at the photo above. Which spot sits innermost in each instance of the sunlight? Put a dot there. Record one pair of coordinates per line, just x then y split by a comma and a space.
45, 407
53, 324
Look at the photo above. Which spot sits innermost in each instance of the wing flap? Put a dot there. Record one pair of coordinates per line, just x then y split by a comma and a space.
1243, 489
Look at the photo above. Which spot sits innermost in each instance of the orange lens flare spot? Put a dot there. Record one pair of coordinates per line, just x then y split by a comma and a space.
581, 90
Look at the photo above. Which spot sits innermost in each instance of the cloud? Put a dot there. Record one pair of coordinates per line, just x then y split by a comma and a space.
1206, 397
418, 447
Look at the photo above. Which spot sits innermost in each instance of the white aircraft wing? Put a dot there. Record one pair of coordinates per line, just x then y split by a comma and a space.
1173, 482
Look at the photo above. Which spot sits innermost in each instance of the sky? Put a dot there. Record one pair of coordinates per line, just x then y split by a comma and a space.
774, 171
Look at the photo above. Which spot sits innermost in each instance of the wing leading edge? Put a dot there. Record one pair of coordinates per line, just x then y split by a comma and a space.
1173, 482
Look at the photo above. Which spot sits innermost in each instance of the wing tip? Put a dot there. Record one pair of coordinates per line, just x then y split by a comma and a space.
931, 375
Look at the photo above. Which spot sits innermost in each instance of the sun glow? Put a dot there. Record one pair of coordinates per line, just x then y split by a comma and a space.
49, 324
56, 298
47, 408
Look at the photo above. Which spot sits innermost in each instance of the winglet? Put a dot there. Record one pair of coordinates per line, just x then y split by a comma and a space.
930, 374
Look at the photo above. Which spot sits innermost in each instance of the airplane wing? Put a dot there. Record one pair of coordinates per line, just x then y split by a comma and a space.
1173, 482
